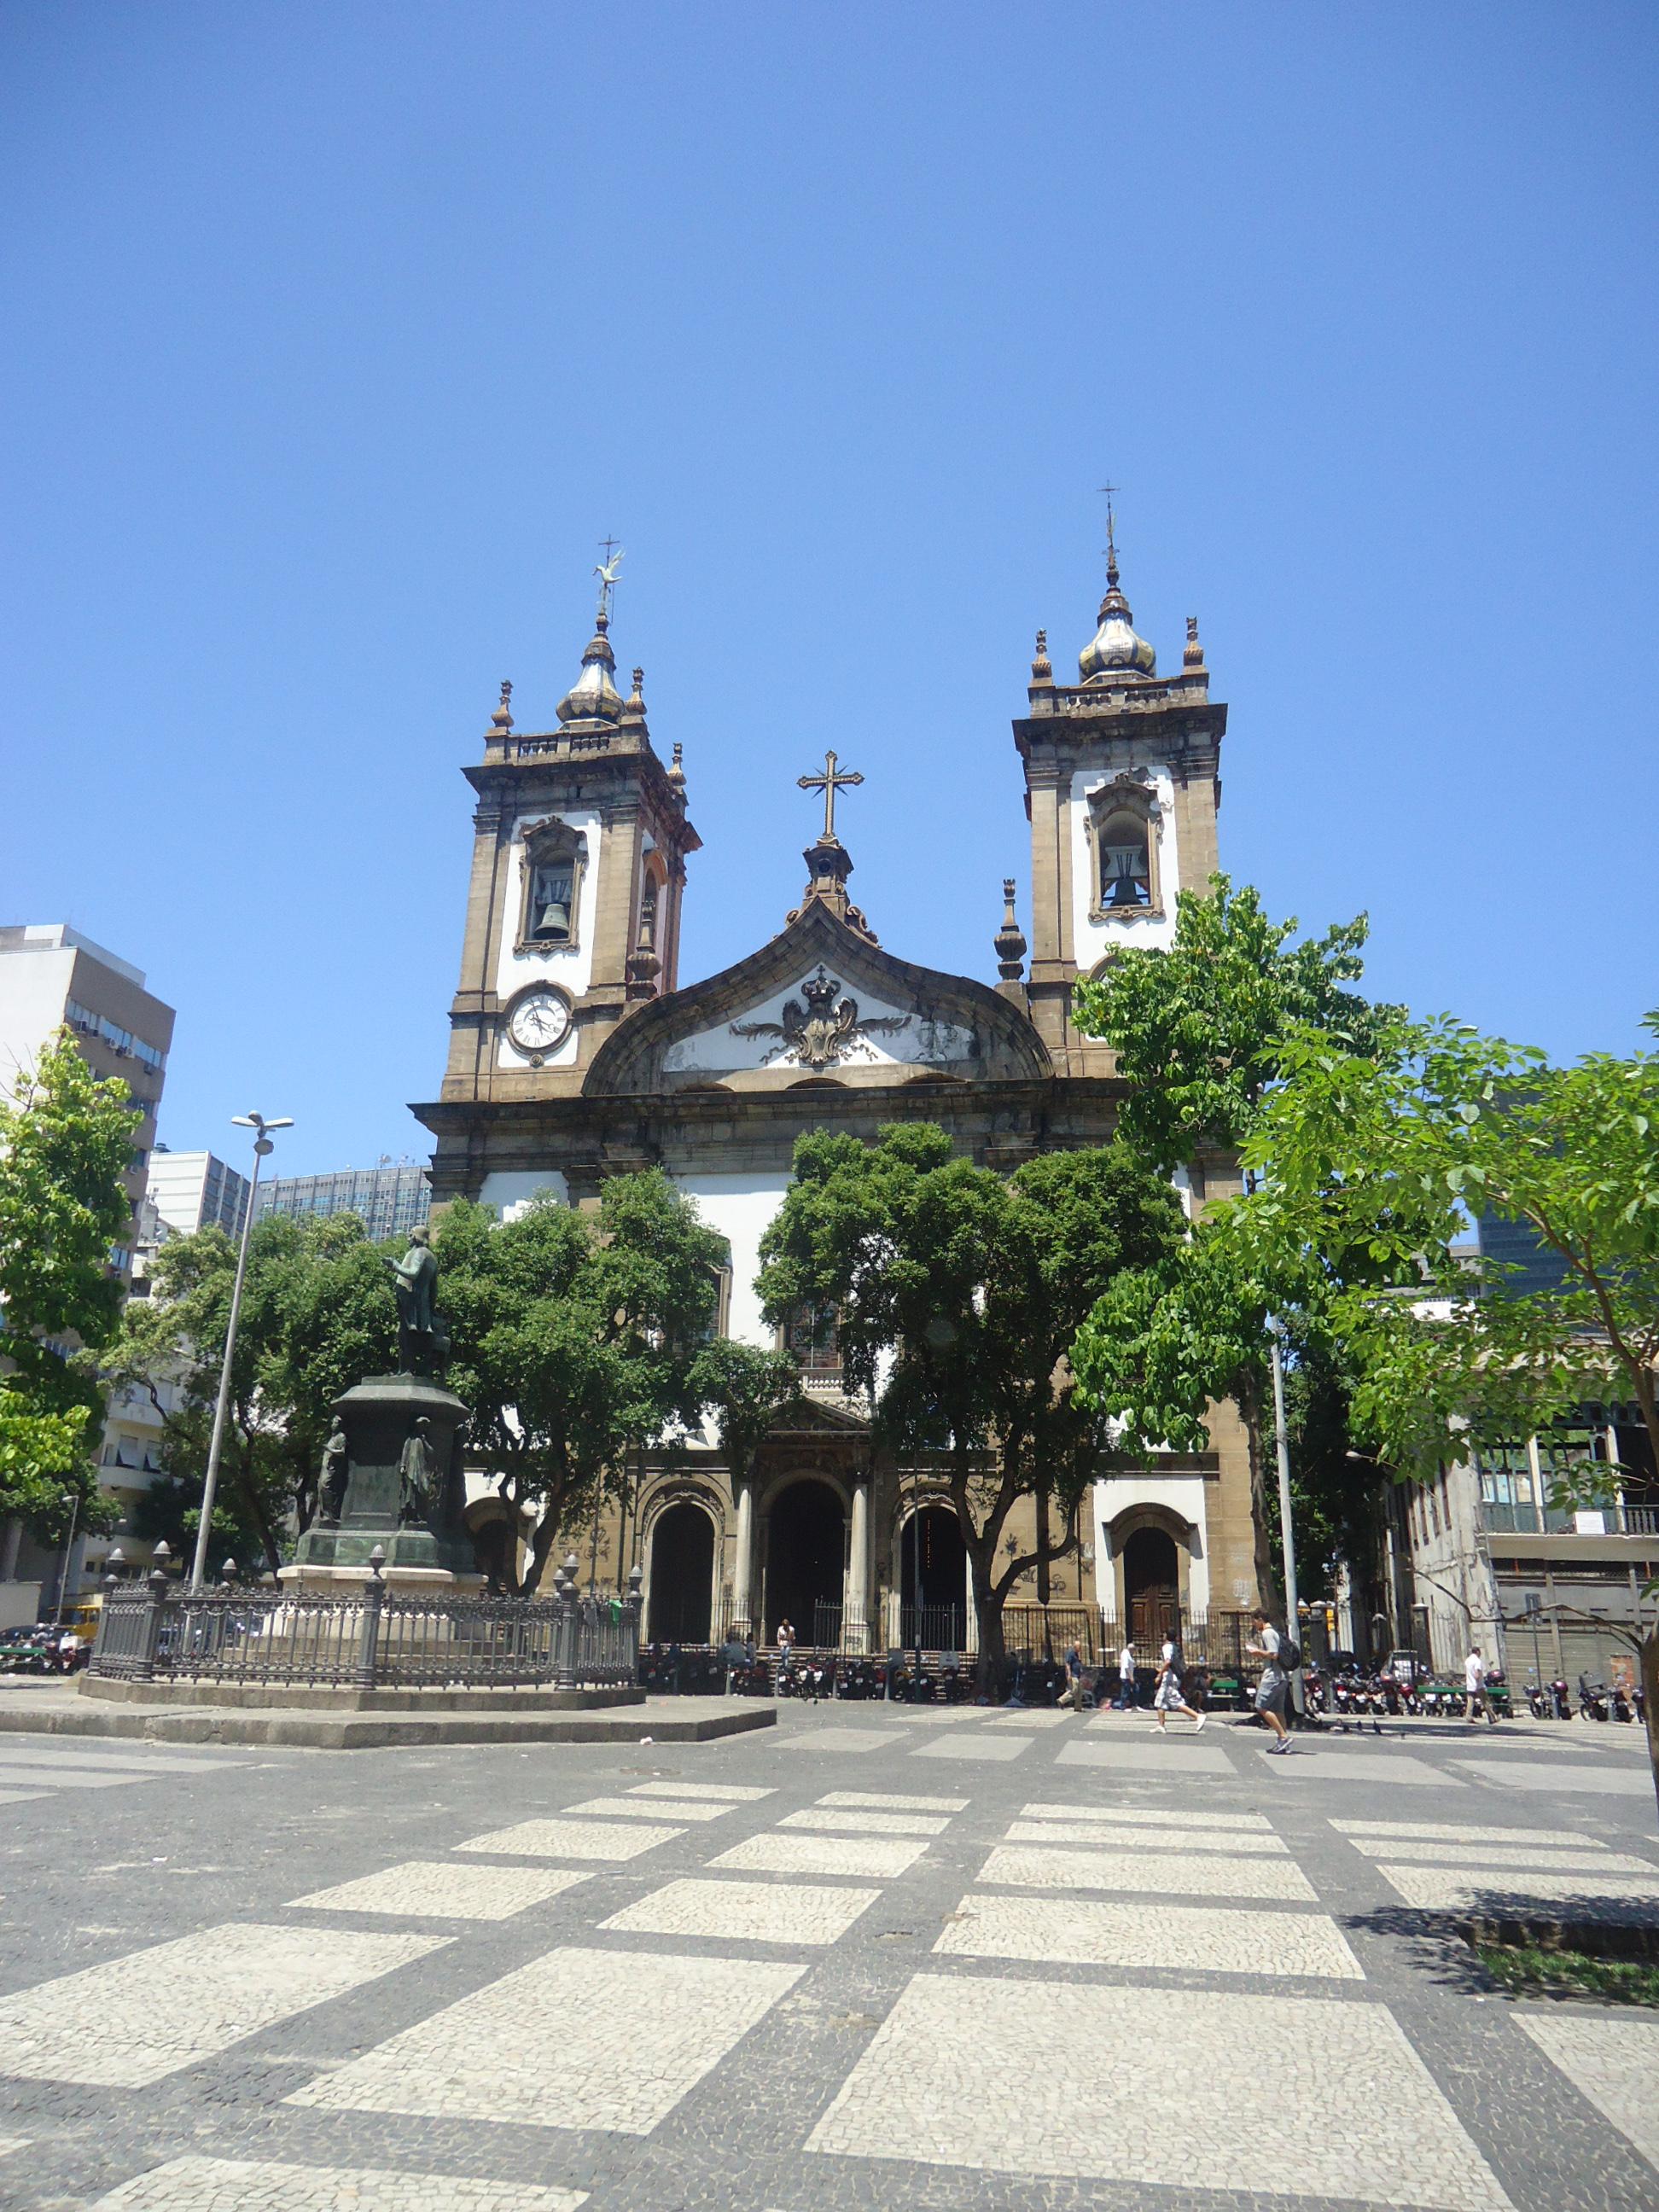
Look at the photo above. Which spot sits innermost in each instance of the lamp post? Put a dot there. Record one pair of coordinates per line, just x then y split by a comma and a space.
72, 1499
1282, 1443
262, 1150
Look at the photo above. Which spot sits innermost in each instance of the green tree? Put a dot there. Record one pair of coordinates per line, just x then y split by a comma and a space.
576, 1338
1388, 1150
66, 1142
318, 1314
743, 1390
1201, 1029
959, 1294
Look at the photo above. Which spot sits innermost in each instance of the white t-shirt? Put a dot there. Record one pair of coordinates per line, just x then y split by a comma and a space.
1474, 1672
1126, 1663
1268, 1639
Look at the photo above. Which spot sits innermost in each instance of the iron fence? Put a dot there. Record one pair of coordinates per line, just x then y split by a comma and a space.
371, 1639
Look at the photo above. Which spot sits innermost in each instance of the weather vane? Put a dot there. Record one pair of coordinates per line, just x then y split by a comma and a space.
1111, 491
832, 781
605, 570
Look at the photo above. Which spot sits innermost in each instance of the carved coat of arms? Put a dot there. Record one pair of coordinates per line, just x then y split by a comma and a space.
825, 1030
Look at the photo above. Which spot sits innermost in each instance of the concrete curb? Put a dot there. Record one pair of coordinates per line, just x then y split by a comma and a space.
330, 1731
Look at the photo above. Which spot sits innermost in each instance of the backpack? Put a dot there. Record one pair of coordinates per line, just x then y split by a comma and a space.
1290, 1652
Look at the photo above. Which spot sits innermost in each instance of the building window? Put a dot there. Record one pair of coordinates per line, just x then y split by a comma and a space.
1123, 825
1509, 1501
554, 861
811, 1336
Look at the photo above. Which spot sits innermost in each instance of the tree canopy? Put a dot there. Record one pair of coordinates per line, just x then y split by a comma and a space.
959, 1293
65, 1142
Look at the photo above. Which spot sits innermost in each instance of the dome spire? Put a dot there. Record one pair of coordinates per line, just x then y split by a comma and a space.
1115, 653
594, 698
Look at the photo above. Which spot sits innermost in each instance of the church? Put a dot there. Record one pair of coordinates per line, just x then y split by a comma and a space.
578, 1052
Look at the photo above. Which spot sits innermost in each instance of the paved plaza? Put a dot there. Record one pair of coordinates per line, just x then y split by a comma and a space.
869, 1959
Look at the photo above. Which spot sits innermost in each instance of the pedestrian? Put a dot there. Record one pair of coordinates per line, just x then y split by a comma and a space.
1125, 1678
1273, 1688
1476, 1701
1167, 1697
785, 1653
69, 1651
1072, 1695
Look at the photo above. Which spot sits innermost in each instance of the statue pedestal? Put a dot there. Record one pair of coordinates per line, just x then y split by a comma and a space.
431, 1554
398, 1581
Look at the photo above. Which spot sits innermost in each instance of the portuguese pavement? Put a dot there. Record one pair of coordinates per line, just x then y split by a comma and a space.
875, 1957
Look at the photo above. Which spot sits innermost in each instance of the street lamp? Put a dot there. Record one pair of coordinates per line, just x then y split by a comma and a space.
262, 1150
72, 1499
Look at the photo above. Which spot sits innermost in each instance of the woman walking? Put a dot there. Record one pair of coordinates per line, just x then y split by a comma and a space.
1167, 1697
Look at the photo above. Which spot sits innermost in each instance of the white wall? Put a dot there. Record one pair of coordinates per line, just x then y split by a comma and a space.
572, 967
1091, 940
34, 988
509, 1190
739, 1206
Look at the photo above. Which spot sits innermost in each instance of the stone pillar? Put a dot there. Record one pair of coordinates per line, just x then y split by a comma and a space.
743, 1570
856, 1622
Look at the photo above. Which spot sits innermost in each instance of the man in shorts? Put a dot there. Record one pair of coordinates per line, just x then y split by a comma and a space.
1476, 1699
1273, 1688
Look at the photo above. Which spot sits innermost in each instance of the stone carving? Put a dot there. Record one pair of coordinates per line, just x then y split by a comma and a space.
332, 1478
825, 1030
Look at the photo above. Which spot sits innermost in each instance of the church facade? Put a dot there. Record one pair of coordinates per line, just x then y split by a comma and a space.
577, 1053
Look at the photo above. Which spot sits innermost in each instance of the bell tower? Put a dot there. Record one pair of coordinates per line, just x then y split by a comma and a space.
1123, 783
581, 838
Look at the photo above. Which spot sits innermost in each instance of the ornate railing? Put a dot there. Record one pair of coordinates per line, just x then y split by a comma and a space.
373, 1637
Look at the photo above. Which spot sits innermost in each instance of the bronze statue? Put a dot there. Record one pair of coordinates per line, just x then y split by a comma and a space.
418, 1349
415, 1470
333, 1477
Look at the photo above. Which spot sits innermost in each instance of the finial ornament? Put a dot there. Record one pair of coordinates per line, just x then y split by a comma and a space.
677, 769
1042, 669
1009, 943
1111, 491
502, 717
1192, 655
606, 570
636, 707
832, 781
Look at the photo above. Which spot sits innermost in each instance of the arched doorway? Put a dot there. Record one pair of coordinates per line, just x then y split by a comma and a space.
943, 1581
1151, 1586
682, 1575
805, 1553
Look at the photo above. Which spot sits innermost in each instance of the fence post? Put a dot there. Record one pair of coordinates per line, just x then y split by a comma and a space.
564, 1630
369, 1636
150, 1635
631, 1623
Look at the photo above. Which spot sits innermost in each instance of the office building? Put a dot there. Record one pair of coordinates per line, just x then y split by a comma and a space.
197, 1190
389, 1200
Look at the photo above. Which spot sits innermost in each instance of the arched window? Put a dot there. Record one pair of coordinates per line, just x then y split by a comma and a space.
555, 859
1123, 821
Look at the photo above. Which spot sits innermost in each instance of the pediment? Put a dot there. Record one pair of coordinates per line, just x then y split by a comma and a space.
817, 1416
818, 1003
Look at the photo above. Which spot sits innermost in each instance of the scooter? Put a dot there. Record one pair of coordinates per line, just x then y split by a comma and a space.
1592, 1700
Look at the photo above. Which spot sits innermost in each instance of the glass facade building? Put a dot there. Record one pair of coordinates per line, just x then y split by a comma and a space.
389, 1200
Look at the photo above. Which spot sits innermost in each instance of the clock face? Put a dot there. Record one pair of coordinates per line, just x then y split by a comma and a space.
539, 1020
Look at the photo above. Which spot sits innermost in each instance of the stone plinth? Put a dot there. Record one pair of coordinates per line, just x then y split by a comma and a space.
431, 1554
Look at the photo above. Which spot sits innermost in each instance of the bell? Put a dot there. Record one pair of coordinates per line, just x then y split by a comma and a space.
1126, 892
555, 919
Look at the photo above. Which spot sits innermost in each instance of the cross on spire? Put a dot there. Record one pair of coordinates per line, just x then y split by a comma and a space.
1111, 491
605, 570
832, 781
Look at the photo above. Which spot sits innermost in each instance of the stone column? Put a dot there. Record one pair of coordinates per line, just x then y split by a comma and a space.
856, 1616
743, 1570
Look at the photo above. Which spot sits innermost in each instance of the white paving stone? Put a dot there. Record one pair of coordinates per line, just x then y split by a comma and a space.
227, 2185
1507, 1855
10, 2144
1150, 1873
439, 1889
1327, 1763
746, 1911
936, 2085
131, 2021
838, 1738
898, 1804
648, 1808
570, 1840
98, 1760
1175, 1757
1456, 1832
737, 1793
1030, 1720
833, 1820
940, 1716
1084, 1932
1537, 1774
20, 1796
879, 1858
1164, 1816
1121, 1836
1613, 2060
579, 2039
1461, 1889
985, 1746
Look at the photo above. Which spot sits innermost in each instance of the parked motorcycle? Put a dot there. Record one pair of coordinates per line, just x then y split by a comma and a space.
1592, 1699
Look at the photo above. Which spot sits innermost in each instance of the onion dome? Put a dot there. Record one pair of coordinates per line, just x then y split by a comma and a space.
1114, 650
594, 698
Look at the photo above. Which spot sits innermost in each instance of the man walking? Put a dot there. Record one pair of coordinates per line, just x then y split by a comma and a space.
1072, 1695
1273, 1688
1125, 1678
1476, 1701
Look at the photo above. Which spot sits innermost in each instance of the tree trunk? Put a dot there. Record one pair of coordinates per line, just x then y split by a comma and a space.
987, 1609
540, 1545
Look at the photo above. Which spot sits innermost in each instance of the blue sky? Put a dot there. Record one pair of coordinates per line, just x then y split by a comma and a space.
337, 337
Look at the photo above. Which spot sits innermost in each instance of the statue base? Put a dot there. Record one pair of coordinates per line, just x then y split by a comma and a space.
379, 1416
400, 1578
